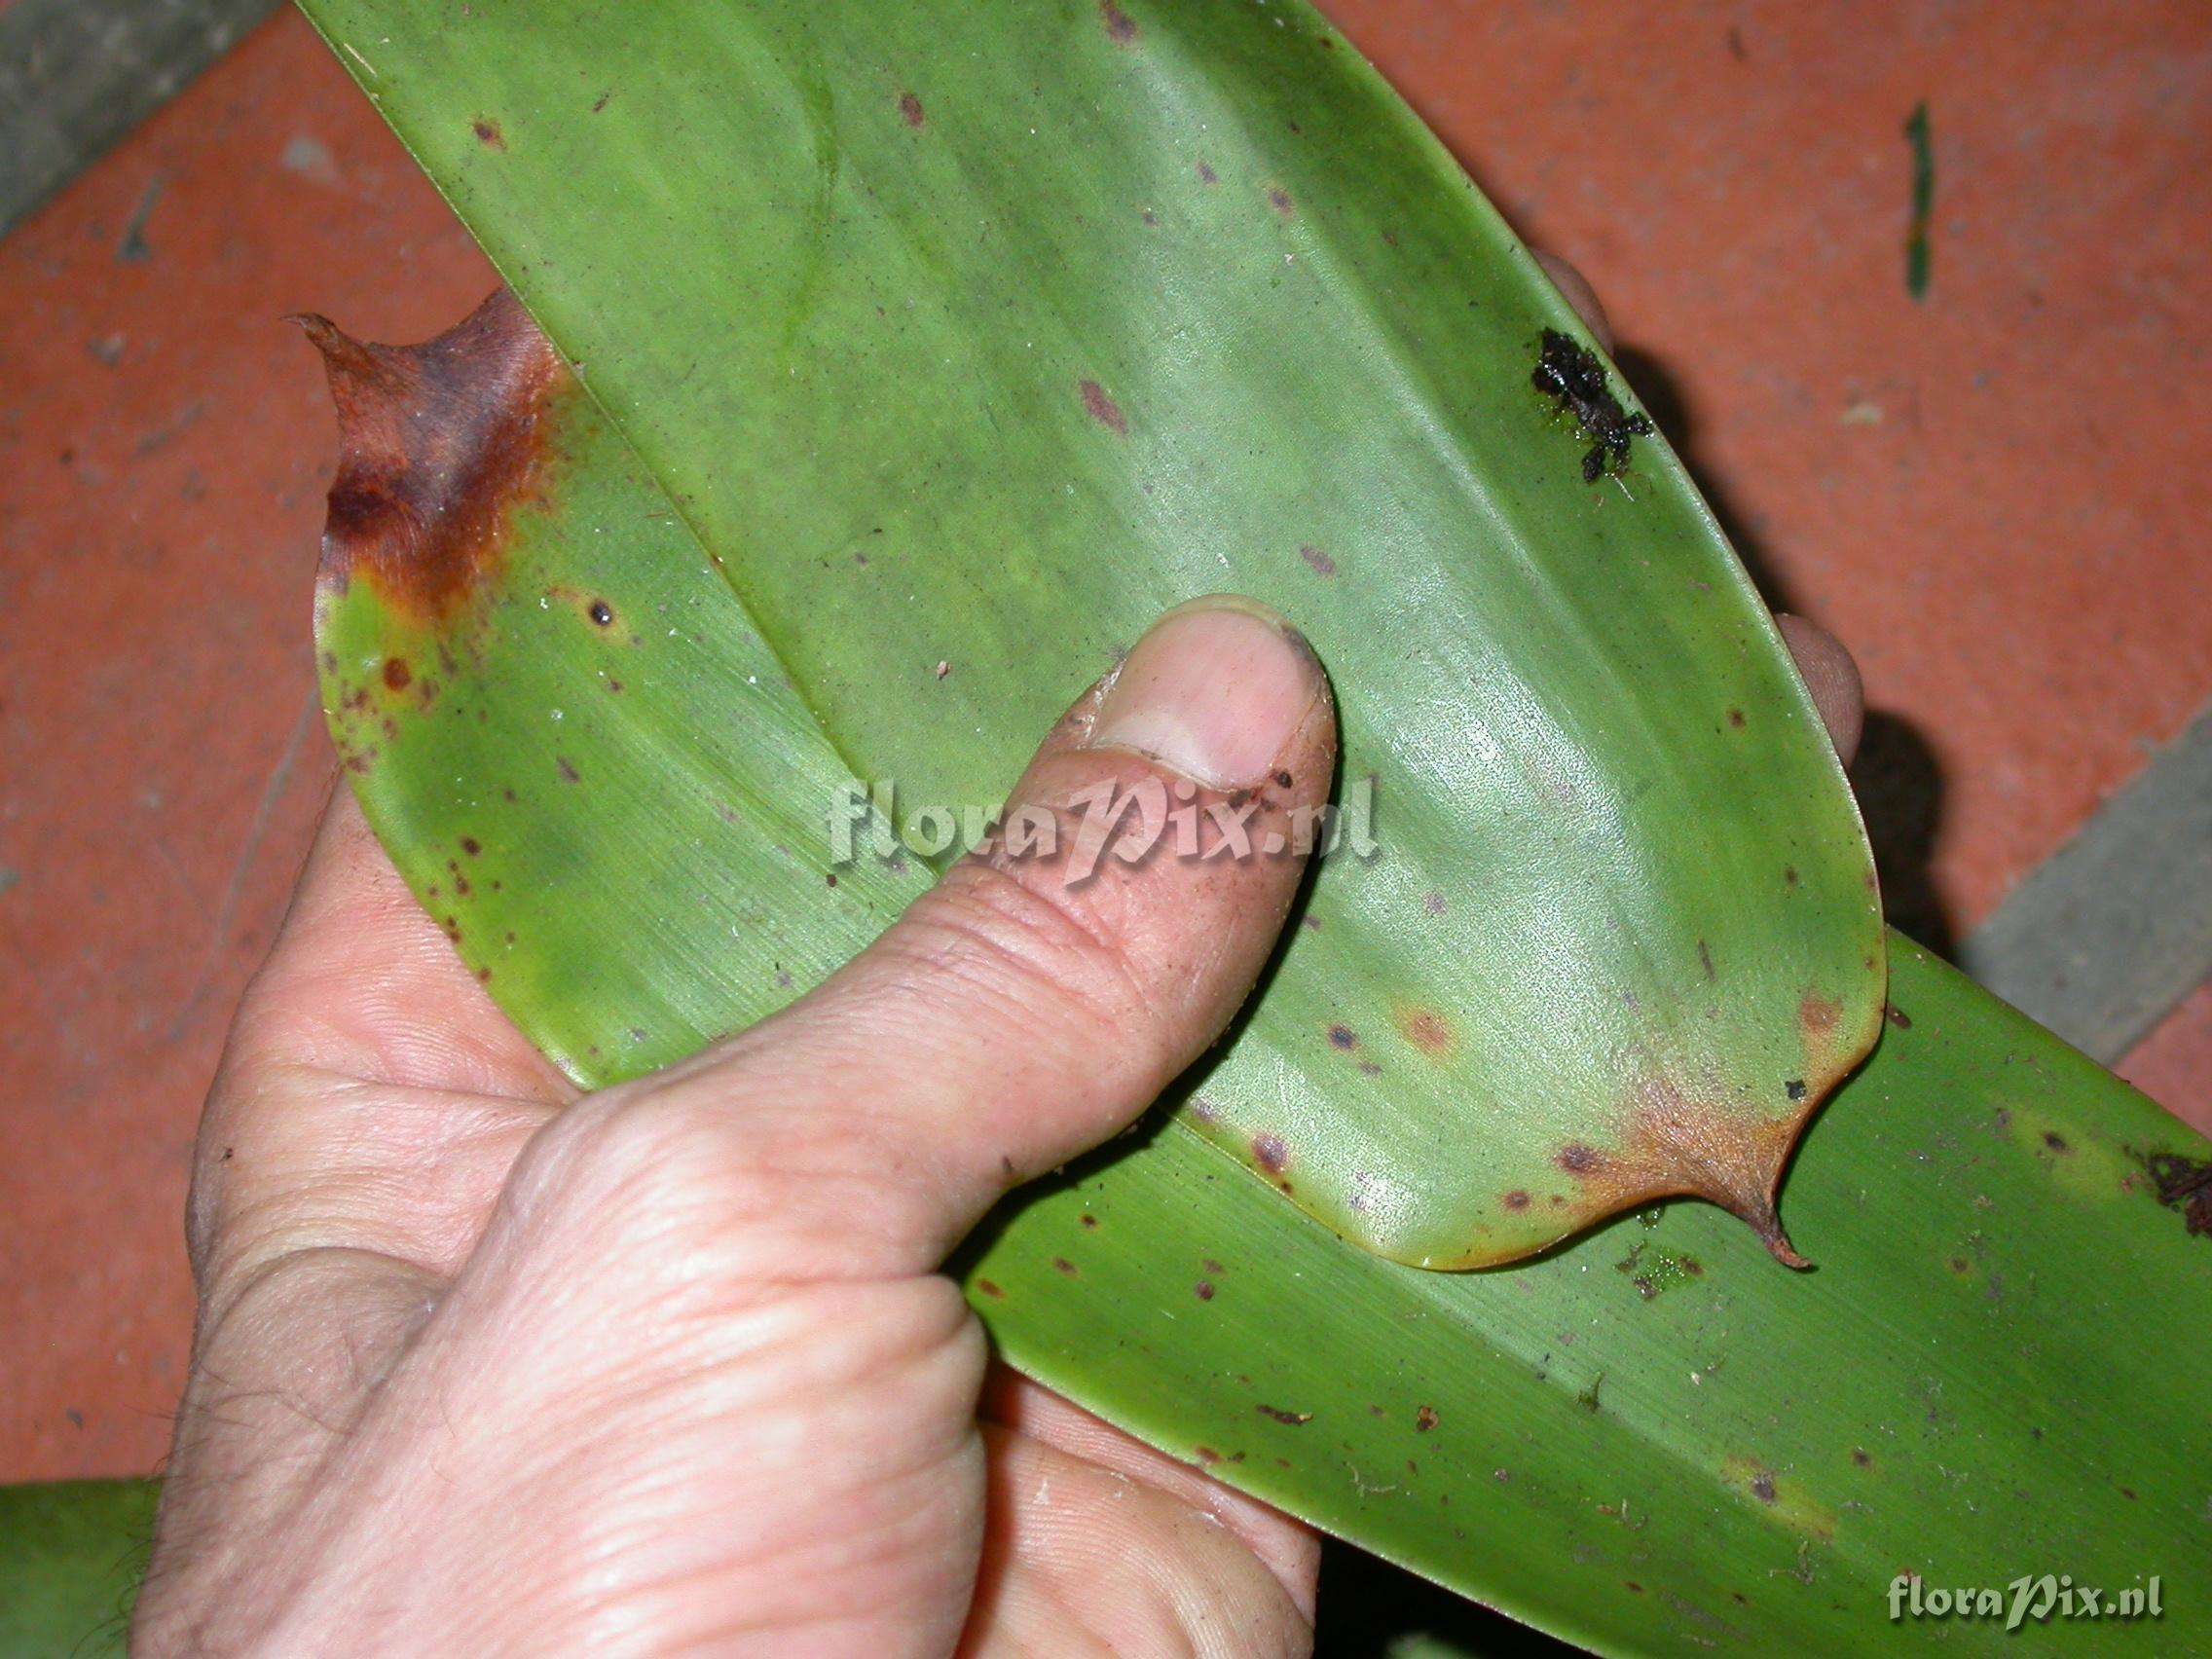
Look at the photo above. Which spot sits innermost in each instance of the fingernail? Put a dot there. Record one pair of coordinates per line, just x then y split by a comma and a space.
1214, 689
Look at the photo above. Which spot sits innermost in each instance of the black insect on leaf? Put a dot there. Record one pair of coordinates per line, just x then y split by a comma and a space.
1575, 380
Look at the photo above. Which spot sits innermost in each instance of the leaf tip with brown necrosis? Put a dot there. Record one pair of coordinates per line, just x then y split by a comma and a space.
437, 444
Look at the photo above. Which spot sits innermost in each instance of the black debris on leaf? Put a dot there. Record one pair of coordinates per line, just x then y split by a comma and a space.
2185, 1185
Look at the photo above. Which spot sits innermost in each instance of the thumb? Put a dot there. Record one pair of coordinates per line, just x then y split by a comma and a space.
1037, 1000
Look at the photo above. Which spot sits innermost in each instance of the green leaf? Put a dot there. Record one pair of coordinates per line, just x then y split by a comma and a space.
70, 1555
1614, 941
978, 339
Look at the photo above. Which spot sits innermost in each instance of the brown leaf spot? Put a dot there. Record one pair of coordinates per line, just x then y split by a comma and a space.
439, 445
1424, 1420
1516, 1200
1340, 1037
568, 772
488, 133
1317, 561
1279, 199
470, 845
1789, 875
1705, 961
990, 1289
2056, 1142
1273, 1155
1204, 1290
396, 673
1061, 1265
910, 110
1763, 1486
1103, 409
1290, 1419
1119, 23
1206, 174
1579, 1160
1736, 719
601, 613
1897, 1016
1428, 1031
1816, 1015
1863, 1458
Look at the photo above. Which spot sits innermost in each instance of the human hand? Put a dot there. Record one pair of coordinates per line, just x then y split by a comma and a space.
483, 1366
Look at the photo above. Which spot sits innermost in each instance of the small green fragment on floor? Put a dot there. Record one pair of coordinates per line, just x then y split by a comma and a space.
1916, 253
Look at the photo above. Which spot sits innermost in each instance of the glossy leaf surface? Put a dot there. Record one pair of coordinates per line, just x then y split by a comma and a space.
1654, 1417
1651, 1440
978, 336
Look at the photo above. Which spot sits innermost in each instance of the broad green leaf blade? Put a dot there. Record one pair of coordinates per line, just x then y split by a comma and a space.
70, 1557
1616, 1442
977, 336
1648, 1442
1675, 1423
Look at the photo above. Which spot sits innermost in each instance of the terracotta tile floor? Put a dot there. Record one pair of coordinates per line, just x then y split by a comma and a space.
1996, 494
